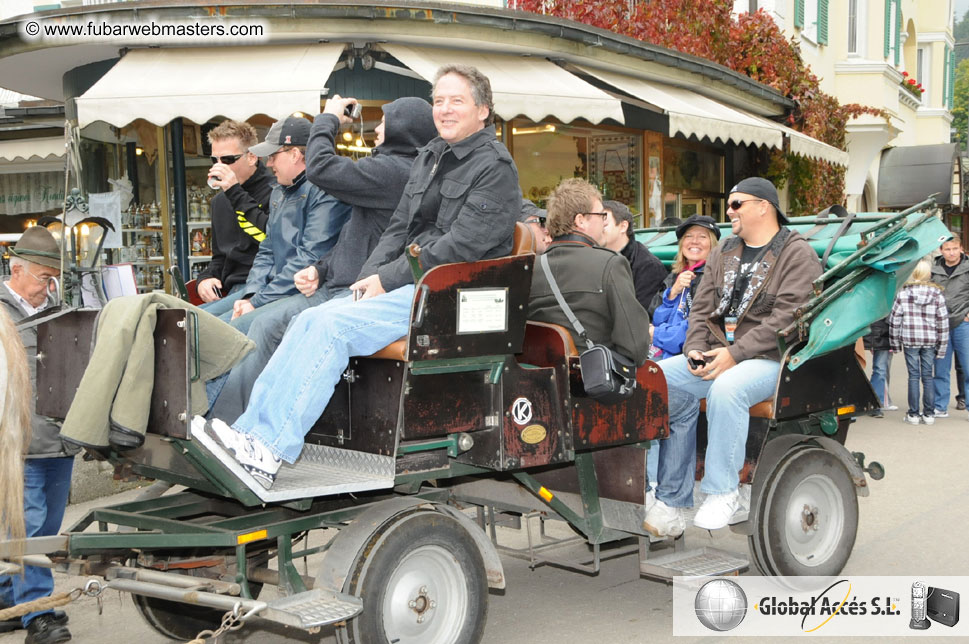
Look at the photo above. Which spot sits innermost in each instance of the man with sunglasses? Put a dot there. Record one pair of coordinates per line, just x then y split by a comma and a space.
754, 281
239, 214
304, 224
34, 265
536, 219
460, 204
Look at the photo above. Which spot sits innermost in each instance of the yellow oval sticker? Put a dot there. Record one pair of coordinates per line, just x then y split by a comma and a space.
534, 434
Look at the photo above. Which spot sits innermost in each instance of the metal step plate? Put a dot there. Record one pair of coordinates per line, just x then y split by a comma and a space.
320, 471
690, 563
313, 608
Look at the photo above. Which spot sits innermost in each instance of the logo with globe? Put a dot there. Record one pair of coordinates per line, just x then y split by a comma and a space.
720, 605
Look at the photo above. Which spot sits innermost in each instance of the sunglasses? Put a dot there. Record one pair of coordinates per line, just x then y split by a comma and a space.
737, 203
537, 220
228, 159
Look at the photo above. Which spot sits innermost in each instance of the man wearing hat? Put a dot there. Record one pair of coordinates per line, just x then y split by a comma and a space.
753, 283
304, 223
34, 264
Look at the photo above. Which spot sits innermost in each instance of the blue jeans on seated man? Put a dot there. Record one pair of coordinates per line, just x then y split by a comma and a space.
297, 383
219, 307
919, 362
729, 398
229, 394
47, 482
958, 344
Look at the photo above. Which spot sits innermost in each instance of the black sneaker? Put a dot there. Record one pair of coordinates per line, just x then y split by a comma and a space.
48, 629
877, 413
15, 624
960, 404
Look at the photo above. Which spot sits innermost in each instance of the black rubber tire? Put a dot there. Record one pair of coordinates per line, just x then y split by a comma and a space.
390, 565
797, 541
182, 622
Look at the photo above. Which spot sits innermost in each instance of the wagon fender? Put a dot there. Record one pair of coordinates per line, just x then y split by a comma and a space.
346, 546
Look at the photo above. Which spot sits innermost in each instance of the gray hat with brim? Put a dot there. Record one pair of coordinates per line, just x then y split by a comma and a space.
38, 246
764, 189
293, 130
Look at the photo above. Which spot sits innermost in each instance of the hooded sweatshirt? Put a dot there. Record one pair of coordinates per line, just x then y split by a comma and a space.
372, 185
919, 318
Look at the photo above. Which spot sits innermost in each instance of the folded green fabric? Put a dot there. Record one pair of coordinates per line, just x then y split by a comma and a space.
115, 390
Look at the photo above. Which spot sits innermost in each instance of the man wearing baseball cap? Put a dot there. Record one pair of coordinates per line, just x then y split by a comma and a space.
304, 223
34, 265
754, 282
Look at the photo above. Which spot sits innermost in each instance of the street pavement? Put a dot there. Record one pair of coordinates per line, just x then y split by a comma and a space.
914, 522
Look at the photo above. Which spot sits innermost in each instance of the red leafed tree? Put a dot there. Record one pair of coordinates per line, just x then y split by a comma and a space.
751, 44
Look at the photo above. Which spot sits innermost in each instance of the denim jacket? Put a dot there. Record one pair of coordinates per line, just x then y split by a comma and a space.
304, 223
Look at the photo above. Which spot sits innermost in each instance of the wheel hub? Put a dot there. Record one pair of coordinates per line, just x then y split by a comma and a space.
809, 518
421, 604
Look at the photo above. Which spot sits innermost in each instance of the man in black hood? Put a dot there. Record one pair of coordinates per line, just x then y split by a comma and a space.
372, 186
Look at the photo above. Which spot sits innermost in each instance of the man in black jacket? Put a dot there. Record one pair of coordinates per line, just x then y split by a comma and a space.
239, 214
595, 282
372, 186
617, 235
459, 205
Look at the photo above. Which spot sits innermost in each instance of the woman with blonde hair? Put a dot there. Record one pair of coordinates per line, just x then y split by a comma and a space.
697, 237
919, 326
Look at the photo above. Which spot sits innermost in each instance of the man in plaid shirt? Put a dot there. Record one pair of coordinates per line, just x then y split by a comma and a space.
919, 326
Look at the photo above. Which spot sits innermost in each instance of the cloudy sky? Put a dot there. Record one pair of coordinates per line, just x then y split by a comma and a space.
961, 7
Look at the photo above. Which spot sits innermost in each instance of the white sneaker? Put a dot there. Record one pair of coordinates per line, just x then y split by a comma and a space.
717, 510
929, 420
940, 413
663, 521
890, 408
253, 456
650, 496
912, 419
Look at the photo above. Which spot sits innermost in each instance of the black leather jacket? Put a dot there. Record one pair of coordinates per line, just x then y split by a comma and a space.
460, 204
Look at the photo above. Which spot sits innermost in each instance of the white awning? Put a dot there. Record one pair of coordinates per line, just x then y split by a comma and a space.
159, 85
32, 149
692, 114
522, 86
805, 146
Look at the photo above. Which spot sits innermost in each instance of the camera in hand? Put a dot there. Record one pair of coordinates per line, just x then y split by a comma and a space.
697, 363
353, 110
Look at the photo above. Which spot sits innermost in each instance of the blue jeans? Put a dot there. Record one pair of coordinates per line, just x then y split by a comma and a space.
918, 361
47, 482
881, 362
220, 307
229, 393
297, 383
729, 398
958, 343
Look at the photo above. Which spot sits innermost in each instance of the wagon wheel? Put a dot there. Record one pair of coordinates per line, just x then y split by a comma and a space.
807, 516
180, 621
422, 581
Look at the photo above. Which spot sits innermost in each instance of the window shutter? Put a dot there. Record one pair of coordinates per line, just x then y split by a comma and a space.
898, 32
799, 14
952, 79
945, 75
823, 22
888, 30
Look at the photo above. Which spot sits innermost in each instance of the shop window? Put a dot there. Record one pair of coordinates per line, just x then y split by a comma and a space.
693, 178
547, 153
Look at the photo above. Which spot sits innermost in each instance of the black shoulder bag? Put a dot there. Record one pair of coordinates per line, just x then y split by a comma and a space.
608, 377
